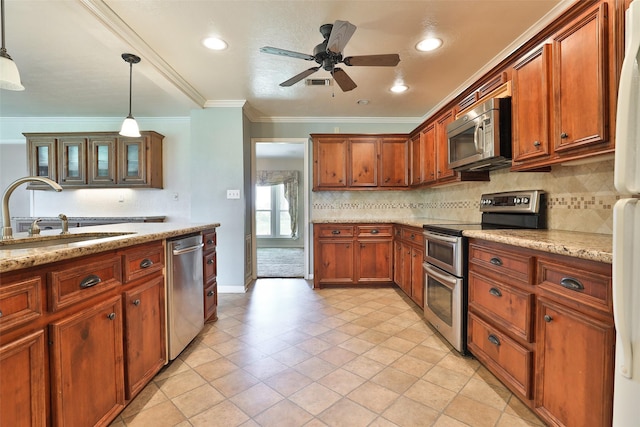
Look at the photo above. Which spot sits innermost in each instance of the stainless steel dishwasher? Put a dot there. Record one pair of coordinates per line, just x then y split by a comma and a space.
185, 297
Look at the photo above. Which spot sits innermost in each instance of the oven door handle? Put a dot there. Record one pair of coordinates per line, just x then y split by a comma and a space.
440, 237
444, 278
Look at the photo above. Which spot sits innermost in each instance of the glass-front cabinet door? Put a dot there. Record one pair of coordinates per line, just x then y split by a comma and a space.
102, 161
72, 161
42, 158
132, 163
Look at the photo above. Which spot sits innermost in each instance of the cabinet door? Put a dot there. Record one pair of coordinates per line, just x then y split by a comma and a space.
442, 146
144, 333
575, 356
87, 372
211, 301
72, 155
23, 389
417, 160
531, 98
330, 160
101, 154
417, 276
374, 261
132, 164
394, 157
430, 167
580, 67
42, 154
363, 162
334, 262
398, 277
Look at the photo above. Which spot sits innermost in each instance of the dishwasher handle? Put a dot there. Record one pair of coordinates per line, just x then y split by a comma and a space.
188, 249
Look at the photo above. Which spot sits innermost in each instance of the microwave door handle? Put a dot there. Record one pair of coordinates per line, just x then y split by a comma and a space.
477, 134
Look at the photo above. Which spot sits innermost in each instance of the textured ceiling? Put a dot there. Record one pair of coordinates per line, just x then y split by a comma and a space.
68, 53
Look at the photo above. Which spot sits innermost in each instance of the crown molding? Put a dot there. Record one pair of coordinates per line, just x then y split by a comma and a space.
285, 119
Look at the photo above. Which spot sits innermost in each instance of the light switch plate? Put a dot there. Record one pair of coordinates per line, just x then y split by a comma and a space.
233, 194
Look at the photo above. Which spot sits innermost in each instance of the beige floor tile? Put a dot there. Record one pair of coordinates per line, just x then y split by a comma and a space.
472, 412
284, 414
234, 382
373, 396
224, 414
197, 400
314, 346
366, 321
215, 369
406, 412
388, 328
374, 337
398, 344
351, 329
429, 394
314, 398
148, 397
291, 356
428, 354
364, 367
383, 355
256, 399
180, 383
162, 415
381, 422
412, 366
493, 395
314, 368
347, 413
508, 420
287, 382
265, 367
447, 421
394, 380
455, 362
172, 368
337, 356
446, 378
518, 409
200, 356
334, 337
342, 381
357, 345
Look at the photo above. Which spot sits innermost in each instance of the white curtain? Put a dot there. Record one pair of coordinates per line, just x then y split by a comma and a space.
290, 181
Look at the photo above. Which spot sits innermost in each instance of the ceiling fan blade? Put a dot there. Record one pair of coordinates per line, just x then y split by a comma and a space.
390, 60
343, 80
295, 79
340, 35
283, 52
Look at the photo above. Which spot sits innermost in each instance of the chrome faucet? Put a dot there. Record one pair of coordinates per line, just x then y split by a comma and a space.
7, 231
65, 224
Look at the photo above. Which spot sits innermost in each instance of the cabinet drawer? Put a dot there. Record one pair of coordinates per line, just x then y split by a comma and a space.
413, 236
210, 301
582, 282
209, 239
143, 260
501, 263
375, 231
335, 231
209, 265
77, 281
20, 302
509, 306
512, 362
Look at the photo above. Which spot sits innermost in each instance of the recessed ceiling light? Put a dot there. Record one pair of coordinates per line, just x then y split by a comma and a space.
399, 88
214, 43
429, 44
363, 101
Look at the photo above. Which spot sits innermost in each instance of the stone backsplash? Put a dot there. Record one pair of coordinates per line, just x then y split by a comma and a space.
579, 198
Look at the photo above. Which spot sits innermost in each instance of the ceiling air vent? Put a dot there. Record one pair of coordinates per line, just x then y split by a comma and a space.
319, 82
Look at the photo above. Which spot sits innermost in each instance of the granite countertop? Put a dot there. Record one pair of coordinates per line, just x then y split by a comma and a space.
589, 246
136, 233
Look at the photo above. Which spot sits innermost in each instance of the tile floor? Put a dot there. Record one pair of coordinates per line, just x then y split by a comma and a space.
286, 355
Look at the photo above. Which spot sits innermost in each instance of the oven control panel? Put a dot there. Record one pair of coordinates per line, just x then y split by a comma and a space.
525, 201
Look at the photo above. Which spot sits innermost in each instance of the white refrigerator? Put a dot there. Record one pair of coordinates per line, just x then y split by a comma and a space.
626, 232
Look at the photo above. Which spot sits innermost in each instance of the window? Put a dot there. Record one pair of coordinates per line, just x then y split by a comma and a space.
272, 212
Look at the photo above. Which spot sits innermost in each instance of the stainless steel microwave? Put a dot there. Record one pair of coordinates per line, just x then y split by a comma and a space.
480, 140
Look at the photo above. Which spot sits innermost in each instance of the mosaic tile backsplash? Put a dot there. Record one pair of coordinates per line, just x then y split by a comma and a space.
579, 198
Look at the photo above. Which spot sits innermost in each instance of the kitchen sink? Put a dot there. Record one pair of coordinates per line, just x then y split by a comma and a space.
45, 241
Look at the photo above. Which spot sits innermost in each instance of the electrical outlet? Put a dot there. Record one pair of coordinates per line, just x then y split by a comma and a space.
175, 197
121, 198
233, 194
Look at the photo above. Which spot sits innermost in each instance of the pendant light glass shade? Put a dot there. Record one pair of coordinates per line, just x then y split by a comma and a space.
9, 75
130, 126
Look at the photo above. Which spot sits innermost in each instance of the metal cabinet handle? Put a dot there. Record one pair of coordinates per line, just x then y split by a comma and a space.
564, 135
0, 313
493, 339
90, 281
210, 261
536, 143
210, 293
335, 232
111, 316
375, 231
495, 292
146, 263
496, 261
136, 302
572, 284
413, 236
210, 242
547, 318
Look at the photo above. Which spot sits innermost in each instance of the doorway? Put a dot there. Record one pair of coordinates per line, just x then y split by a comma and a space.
280, 208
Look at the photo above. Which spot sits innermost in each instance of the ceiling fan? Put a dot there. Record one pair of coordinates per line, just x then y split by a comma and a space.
329, 54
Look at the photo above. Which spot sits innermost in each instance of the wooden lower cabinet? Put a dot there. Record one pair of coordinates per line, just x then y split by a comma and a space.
23, 389
334, 262
373, 259
87, 369
209, 275
408, 259
543, 324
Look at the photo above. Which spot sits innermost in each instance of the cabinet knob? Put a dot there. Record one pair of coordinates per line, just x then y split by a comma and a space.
493, 339
146, 263
136, 302
0, 313
335, 232
547, 318
375, 231
210, 261
209, 242
89, 281
536, 143
496, 261
564, 135
413, 236
210, 293
111, 316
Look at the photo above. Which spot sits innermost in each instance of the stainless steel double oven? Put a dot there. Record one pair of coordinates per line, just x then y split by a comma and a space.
445, 259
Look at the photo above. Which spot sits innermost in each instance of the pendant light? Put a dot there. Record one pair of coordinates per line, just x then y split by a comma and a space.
130, 126
9, 75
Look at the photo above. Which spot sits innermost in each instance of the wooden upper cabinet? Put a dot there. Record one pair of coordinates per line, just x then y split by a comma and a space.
394, 162
530, 106
42, 159
416, 175
428, 138
581, 83
330, 162
72, 161
442, 146
101, 154
363, 162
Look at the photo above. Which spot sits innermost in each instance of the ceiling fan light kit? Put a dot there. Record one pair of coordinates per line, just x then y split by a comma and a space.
9, 75
130, 126
328, 55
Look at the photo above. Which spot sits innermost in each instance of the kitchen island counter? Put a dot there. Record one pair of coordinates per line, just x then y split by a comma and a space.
136, 233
